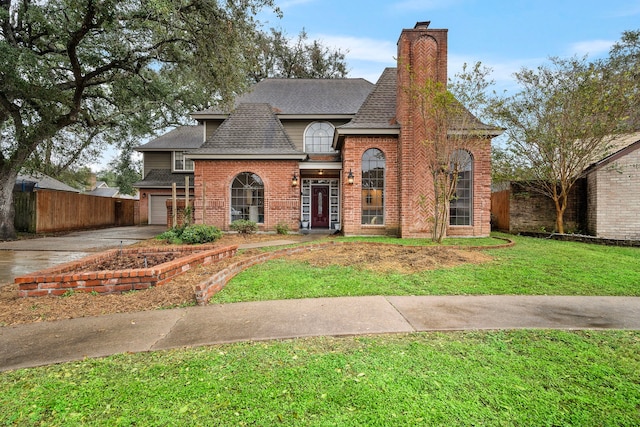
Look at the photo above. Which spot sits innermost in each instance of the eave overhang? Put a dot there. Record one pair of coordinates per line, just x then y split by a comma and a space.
232, 156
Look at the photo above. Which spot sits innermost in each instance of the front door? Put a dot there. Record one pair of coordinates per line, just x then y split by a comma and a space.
320, 206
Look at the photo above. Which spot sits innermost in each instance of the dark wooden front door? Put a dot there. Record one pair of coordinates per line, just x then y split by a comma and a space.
320, 206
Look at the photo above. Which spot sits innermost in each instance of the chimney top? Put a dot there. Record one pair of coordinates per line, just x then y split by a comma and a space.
422, 24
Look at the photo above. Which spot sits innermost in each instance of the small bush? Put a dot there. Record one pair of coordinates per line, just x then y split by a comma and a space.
192, 234
200, 233
282, 228
171, 236
244, 226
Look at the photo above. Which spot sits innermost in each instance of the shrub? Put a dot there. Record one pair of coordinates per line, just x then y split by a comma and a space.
171, 236
244, 226
282, 228
191, 234
200, 233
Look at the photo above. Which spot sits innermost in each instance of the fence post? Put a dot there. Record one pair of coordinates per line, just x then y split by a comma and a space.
174, 207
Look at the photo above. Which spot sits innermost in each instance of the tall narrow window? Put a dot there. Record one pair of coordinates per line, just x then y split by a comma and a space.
247, 198
461, 207
373, 168
318, 138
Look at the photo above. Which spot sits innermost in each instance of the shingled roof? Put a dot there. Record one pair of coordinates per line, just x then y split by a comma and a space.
251, 131
163, 178
306, 96
379, 109
182, 137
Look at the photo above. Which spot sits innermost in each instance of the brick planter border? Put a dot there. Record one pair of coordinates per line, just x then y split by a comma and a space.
60, 279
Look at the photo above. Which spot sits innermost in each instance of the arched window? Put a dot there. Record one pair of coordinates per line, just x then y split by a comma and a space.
461, 207
247, 197
318, 138
373, 165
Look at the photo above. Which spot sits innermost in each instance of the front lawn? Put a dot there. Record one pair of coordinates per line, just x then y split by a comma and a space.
510, 378
531, 267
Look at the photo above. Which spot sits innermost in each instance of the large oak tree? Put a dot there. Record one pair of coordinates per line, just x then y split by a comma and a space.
77, 72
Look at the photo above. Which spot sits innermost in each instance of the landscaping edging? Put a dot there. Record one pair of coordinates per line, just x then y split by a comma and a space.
61, 279
214, 284
582, 238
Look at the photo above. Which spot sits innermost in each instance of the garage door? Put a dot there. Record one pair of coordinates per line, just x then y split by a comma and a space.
158, 210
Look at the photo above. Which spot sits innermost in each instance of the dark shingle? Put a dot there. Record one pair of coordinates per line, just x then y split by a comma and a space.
180, 138
163, 178
379, 109
307, 96
252, 129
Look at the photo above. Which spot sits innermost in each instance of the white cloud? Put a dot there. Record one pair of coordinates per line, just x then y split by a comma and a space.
591, 47
357, 48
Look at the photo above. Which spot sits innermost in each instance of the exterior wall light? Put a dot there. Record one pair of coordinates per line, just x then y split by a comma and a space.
350, 177
294, 180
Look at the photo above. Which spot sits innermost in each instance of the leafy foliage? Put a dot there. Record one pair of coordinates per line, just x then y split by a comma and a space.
279, 56
244, 226
191, 234
282, 228
560, 121
80, 73
200, 233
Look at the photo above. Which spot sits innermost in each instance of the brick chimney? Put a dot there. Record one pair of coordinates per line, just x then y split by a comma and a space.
422, 55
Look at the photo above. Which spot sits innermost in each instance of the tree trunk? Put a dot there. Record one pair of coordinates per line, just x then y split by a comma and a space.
7, 209
561, 206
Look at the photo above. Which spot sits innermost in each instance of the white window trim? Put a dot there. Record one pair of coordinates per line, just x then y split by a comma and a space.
173, 162
304, 138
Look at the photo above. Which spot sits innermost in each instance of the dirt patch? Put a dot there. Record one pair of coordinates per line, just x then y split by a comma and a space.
390, 258
130, 261
180, 291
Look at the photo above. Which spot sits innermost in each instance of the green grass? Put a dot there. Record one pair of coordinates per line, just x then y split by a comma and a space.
531, 267
515, 378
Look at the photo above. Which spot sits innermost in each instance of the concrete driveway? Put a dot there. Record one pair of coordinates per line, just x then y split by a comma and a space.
25, 256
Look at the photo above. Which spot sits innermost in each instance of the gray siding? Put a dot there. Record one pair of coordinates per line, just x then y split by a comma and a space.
211, 126
156, 160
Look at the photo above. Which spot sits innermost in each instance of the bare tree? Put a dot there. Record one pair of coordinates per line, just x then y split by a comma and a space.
452, 132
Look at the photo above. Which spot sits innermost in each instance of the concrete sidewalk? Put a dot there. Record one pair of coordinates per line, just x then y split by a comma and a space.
67, 340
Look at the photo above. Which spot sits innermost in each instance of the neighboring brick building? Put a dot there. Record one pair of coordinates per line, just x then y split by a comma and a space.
324, 154
613, 193
604, 202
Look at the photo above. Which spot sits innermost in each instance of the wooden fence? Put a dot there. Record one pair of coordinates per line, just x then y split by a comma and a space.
50, 211
500, 210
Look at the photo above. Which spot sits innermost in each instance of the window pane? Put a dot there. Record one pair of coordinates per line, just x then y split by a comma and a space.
460, 209
318, 138
247, 198
373, 165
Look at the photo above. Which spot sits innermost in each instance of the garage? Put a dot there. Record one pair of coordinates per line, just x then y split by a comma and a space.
158, 210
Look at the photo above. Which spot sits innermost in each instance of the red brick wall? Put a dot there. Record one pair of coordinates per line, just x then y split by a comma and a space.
422, 54
352, 152
213, 179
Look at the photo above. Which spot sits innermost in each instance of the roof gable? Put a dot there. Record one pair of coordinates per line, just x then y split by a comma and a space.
621, 145
251, 130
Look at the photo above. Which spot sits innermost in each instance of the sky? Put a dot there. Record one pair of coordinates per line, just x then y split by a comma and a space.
504, 35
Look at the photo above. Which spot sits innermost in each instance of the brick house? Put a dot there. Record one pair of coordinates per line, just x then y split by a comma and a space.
321, 153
